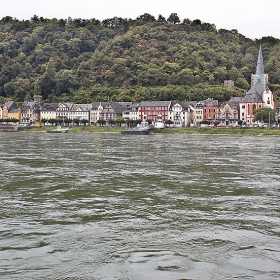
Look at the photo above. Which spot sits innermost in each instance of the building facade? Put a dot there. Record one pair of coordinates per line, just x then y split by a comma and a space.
30, 112
180, 113
48, 111
154, 110
210, 109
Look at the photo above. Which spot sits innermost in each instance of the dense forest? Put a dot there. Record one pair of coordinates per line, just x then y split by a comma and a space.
120, 59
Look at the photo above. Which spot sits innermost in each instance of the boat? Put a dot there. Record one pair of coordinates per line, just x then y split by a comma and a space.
58, 130
54, 131
141, 129
159, 123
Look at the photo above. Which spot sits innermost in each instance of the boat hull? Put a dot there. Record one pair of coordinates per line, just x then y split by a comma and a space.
135, 132
53, 131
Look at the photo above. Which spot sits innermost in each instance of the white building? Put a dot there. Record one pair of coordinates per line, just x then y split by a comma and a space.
63, 110
131, 112
180, 113
80, 112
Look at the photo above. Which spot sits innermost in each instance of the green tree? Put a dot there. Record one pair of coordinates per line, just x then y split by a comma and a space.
111, 122
120, 121
101, 122
266, 115
173, 18
84, 121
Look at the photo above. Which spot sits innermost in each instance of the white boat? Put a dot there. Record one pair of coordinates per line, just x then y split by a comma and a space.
141, 129
159, 123
58, 130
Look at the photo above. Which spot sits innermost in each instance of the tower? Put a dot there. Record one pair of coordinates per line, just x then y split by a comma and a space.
260, 74
258, 96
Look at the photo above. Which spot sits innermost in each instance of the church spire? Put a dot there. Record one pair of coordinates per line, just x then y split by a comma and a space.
260, 74
260, 65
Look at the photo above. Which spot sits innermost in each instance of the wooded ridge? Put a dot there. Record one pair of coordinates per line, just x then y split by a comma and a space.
82, 60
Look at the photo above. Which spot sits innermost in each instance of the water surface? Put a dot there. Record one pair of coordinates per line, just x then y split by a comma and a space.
110, 206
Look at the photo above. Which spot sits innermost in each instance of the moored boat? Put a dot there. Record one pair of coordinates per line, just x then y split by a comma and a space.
140, 129
58, 130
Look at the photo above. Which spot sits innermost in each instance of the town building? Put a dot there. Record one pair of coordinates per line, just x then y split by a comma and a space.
180, 113
197, 112
111, 111
131, 112
95, 111
227, 114
258, 96
154, 110
48, 111
80, 112
210, 109
8, 109
63, 110
30, 112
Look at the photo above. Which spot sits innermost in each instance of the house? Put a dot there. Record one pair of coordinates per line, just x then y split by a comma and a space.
154, 110
210, 109
111, 110
197, 112
131, 112
7, 108
63, 110
180, 113
227, 113
258, 96
30, 112
14, 114
48, 111
96, 109
80, 111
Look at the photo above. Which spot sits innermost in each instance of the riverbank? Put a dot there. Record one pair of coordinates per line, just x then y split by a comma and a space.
230, 131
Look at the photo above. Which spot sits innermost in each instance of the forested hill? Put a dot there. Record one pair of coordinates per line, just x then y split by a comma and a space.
127, 60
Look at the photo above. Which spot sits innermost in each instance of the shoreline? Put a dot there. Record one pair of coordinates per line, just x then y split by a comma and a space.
184, 131
261, 131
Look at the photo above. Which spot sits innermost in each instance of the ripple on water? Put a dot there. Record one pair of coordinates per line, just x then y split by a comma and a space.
158, 207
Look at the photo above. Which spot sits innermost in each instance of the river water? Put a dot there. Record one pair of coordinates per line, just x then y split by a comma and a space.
110, 206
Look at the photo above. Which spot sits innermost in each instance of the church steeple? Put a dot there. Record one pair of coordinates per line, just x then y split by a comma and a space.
260, 74
260, 65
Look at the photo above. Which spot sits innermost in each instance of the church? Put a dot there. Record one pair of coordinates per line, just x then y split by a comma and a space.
258, 96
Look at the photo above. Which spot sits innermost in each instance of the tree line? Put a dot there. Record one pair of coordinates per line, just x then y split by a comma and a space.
85, 60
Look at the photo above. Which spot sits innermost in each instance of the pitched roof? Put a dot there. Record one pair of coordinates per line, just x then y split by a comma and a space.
10, 105
30, 104
83, 107
66, 104
49, 107
234, 102
118, 108
254, 95
184, 104
211, 102
155, 104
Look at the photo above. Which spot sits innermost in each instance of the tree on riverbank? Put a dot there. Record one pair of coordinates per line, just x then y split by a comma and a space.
266, 115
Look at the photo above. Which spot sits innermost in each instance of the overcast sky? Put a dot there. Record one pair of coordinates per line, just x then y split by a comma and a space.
252, 18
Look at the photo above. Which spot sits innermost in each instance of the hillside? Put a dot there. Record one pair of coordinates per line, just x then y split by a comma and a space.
127, 60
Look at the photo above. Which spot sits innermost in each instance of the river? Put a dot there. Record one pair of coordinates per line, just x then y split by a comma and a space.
110, 206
